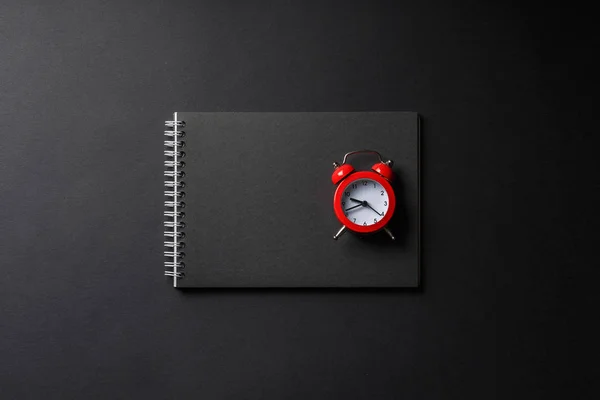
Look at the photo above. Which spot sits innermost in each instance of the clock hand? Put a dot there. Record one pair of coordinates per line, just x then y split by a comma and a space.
358, 201
368, 205
353, 207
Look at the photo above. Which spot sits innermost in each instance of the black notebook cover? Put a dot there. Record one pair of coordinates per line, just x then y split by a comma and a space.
258, 200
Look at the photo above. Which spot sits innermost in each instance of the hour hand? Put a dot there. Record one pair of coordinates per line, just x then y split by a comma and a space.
356, 200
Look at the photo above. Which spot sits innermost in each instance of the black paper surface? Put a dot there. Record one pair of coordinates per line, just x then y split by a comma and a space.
259, 196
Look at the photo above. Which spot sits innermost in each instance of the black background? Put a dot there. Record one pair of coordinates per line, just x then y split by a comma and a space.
509, 191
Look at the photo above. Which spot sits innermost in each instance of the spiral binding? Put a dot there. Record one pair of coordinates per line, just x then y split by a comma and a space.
173, 225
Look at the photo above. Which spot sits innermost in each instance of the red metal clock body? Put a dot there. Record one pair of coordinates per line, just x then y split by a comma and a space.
364, 201
357, 178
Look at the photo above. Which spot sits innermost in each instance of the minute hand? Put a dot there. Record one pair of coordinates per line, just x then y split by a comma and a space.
368, 205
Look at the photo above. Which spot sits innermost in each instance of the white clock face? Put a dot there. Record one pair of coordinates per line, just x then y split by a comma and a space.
365, 202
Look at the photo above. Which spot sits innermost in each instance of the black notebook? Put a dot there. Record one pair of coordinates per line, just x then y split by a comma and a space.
249, 200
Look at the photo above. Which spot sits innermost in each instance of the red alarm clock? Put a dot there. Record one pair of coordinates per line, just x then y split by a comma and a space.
364, 201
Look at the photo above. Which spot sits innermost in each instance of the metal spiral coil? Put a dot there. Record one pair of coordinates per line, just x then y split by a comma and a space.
171, 184
173, 215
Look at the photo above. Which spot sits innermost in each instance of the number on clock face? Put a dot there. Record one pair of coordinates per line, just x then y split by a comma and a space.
365, 202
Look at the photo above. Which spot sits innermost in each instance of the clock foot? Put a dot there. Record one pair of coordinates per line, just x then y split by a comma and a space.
339, 233
391, 235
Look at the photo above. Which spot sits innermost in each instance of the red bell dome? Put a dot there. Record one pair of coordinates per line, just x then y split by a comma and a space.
384, 170
341, 172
